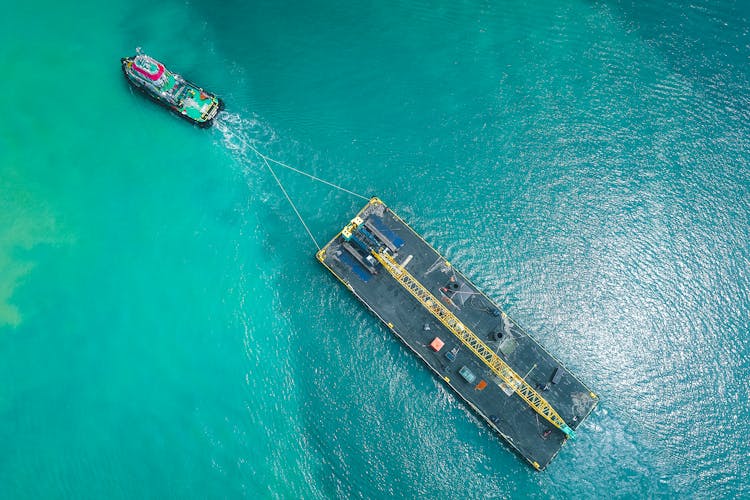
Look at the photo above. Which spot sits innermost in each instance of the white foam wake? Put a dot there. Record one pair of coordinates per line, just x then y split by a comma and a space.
247, 137
243, 136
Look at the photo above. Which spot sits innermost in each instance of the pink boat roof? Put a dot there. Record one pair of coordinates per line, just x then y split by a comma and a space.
148, 67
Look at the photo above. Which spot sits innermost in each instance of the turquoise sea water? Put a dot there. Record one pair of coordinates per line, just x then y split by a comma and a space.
165, 331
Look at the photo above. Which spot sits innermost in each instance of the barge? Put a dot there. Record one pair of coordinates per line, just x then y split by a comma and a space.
507, 378
171, 90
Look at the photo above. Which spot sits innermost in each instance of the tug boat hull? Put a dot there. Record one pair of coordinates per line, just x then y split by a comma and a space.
172, 91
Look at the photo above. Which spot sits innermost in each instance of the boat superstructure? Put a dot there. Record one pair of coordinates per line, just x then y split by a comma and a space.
171, 90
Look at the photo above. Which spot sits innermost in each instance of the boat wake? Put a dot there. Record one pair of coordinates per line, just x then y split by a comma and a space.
244, 136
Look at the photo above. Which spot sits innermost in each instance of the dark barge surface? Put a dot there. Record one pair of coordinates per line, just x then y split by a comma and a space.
519, 389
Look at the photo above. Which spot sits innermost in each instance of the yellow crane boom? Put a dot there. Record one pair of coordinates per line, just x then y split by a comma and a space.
470, 340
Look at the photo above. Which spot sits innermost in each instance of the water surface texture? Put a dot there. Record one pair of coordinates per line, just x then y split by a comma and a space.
165, 331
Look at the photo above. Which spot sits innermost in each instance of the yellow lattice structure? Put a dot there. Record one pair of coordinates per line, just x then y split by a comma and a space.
470, 340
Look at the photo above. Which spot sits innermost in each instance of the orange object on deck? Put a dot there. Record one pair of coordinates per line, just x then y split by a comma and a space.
437, 344
481, 385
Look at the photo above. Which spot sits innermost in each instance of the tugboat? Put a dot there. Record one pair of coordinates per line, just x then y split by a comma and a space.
171, 90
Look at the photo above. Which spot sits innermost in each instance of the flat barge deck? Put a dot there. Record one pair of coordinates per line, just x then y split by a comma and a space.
520, 390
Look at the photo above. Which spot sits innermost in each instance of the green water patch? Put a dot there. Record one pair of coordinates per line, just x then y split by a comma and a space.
26, 221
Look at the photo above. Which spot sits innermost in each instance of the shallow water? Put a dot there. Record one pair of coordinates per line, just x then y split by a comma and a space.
166, 332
